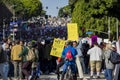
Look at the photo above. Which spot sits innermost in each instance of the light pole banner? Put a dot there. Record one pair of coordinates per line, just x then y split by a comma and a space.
72, 30
57, 47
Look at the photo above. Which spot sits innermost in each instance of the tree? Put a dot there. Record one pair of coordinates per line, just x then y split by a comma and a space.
93, 14
68, 9
26, 8
72, 4
64, 11
33, 7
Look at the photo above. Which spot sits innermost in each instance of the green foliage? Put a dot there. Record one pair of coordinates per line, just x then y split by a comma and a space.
33, 7
93, 14
26, 8
65, 11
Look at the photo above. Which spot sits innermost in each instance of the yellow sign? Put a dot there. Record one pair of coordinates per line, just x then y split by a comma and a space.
57, 47
72, 31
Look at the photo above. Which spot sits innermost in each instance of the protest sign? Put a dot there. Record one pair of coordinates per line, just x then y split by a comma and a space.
57, 47
72, 31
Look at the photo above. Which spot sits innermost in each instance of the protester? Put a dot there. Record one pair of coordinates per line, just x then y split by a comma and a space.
96, 56
26, 66
4, 65
70, 63
16, 60
60, 63
79, 58
85, 48
35, 73
109, 65
117, 67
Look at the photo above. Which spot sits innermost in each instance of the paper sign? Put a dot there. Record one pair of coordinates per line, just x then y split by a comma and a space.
57, 47
72, 31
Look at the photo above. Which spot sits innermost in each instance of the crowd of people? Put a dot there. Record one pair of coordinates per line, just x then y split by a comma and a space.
41, 27
88, 59
93, 59
38, 38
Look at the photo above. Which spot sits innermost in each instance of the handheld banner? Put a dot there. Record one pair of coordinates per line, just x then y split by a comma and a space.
57, 47
72, 31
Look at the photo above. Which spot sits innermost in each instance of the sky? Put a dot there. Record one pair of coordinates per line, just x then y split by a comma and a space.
52, 6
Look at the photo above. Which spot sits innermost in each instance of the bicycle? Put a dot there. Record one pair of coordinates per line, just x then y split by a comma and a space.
68, 75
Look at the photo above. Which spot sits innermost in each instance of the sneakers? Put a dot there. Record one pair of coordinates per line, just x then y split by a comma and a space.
29, 78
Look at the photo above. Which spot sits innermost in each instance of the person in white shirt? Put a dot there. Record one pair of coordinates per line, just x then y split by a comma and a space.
96, 56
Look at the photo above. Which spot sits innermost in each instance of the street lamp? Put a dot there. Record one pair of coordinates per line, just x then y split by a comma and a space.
3, 28
13, 21
109, 28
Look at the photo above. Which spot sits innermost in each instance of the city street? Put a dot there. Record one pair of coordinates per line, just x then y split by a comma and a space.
54, 77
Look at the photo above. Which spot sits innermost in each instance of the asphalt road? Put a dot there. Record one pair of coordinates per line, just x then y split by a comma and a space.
54, 77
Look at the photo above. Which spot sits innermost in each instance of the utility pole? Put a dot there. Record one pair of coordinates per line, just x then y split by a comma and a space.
117, 29
109, 28
13, 22
3, 28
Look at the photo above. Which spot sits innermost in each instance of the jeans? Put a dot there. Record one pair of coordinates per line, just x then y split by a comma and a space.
108, 74
17, 69
117, 72
72, 66
26, 68
73, 69
4, 68
83, 65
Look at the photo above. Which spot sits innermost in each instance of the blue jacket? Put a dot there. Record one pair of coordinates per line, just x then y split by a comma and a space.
73, 51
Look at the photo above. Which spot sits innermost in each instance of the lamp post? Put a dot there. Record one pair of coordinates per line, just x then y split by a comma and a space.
117, 29
3, 28
13, 21
109, 28
13, 25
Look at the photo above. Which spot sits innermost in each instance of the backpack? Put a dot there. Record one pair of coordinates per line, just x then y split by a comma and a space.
69, 56
31, 55
114, 57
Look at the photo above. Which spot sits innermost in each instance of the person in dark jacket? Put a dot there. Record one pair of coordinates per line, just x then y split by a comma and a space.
4, 65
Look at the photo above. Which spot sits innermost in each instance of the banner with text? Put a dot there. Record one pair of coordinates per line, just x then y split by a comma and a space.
57, 47
72, 31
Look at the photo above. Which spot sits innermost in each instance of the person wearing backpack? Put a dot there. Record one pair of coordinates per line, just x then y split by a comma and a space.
27, 63
69, 54
108, 64
35, 73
